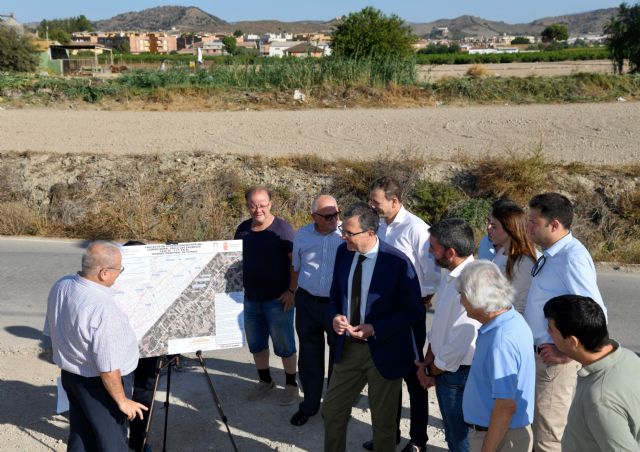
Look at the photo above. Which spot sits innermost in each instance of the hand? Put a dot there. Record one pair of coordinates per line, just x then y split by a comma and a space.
429, 357
132, 409
422, 374
340, 324
287, 300
427, 301
362, 331
434, 370
551, 355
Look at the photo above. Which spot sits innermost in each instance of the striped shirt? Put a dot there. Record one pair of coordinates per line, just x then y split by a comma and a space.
89, 333
313, 257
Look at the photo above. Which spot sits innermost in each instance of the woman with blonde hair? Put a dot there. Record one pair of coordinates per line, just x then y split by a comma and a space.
515, 254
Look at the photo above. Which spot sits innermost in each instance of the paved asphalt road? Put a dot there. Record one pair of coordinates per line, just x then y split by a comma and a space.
28, 268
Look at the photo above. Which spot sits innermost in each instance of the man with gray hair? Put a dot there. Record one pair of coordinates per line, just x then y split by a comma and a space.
453, 334
94, 345
499, 395
374, 301
314, 253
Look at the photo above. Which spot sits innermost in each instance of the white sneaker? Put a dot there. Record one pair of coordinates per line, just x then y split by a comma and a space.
289, 396
260, 389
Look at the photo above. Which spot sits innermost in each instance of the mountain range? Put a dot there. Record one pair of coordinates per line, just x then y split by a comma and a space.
190, 18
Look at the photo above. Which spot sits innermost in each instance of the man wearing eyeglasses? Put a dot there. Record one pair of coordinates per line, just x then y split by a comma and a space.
94, 345
565, 268
374, 301
410, 235
269, 286
314, 253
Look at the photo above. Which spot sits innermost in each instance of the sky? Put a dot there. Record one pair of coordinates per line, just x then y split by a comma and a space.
291, 10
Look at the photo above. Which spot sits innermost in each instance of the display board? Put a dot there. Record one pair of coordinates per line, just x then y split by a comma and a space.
184, 297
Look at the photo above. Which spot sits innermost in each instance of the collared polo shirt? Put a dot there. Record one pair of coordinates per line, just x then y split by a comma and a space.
409, 234
314, 256
504, 367
89, 333
453, 333
568, 270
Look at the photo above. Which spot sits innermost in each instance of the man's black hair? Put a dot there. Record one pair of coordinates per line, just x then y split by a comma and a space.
581, 317
389, 186
554, 206
454, 233
368, 218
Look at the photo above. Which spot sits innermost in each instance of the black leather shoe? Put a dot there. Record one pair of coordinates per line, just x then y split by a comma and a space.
413, 447
368, 445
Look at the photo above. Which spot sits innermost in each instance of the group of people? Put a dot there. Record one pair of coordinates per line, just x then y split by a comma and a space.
515, 333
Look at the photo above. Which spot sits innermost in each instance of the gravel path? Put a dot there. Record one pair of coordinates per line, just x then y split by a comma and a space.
594, 133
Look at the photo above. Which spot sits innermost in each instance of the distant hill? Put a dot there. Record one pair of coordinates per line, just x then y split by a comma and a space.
160, 18
194, 19
581, 23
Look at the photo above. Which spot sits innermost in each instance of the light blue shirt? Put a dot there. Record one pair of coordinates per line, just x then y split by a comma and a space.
89, 333
504, 367
367, 272
486, 250
314, 255
568, 270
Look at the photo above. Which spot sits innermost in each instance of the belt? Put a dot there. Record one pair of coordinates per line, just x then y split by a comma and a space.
315, 298
354, 340
477, 428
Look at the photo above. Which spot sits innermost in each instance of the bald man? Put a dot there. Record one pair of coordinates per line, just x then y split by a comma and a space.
94, 345
314, 252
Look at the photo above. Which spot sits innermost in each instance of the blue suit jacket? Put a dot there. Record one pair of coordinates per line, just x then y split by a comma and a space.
394, 307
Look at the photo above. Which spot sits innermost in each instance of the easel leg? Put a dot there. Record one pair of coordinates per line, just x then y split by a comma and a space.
150, 415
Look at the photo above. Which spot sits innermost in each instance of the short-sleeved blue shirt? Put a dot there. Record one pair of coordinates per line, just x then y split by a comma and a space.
503, 367
265, 259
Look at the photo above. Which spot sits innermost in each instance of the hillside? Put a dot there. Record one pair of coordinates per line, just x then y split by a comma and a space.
582, 23
163, 18
194, 19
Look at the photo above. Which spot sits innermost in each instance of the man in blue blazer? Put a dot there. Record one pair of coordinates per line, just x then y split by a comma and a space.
374, 303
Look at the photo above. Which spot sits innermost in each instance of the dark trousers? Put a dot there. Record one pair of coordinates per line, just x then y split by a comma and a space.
96, 423
419, 409
143, 382
312, 322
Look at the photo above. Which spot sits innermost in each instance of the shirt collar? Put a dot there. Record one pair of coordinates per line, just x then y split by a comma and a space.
498, 320
556, 247
87, 282
456, 271
603, 363
400, 216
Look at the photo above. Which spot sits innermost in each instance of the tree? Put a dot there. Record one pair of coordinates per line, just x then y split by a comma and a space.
60, 29
371, 34
237, 33
624, 38
230, 44
555, 33
17, 52
520, 40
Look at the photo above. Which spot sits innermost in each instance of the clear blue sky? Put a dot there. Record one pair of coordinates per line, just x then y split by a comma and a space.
289, 10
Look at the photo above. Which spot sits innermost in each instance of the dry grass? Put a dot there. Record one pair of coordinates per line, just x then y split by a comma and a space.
477, 71
154, 198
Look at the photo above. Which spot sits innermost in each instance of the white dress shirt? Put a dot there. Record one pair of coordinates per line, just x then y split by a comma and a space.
520, 277
568, 270
314, 255
367, 272
453, 334
409, 234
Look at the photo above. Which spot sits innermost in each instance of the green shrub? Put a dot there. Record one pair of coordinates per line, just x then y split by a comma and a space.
432, 200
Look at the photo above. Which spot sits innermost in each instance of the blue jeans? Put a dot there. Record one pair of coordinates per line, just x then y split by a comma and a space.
449, 391
267, 318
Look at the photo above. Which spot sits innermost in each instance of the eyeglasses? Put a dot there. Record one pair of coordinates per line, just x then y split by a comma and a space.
349, 234
538, 266
256, 207
329, 216
121, 269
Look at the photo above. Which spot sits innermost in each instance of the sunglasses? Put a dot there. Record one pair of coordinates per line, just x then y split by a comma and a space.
329, 216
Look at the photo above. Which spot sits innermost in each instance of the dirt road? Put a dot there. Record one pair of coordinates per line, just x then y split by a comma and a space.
595, 133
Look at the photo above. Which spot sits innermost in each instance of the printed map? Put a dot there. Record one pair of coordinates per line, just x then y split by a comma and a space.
184, 297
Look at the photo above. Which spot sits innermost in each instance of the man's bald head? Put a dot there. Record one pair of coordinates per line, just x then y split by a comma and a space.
100, 258
324, 211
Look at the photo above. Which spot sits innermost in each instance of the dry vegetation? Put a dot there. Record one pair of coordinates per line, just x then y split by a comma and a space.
188, 197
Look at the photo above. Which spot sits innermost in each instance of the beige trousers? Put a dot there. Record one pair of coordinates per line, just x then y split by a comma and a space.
555, 386
516, 440
355, 370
